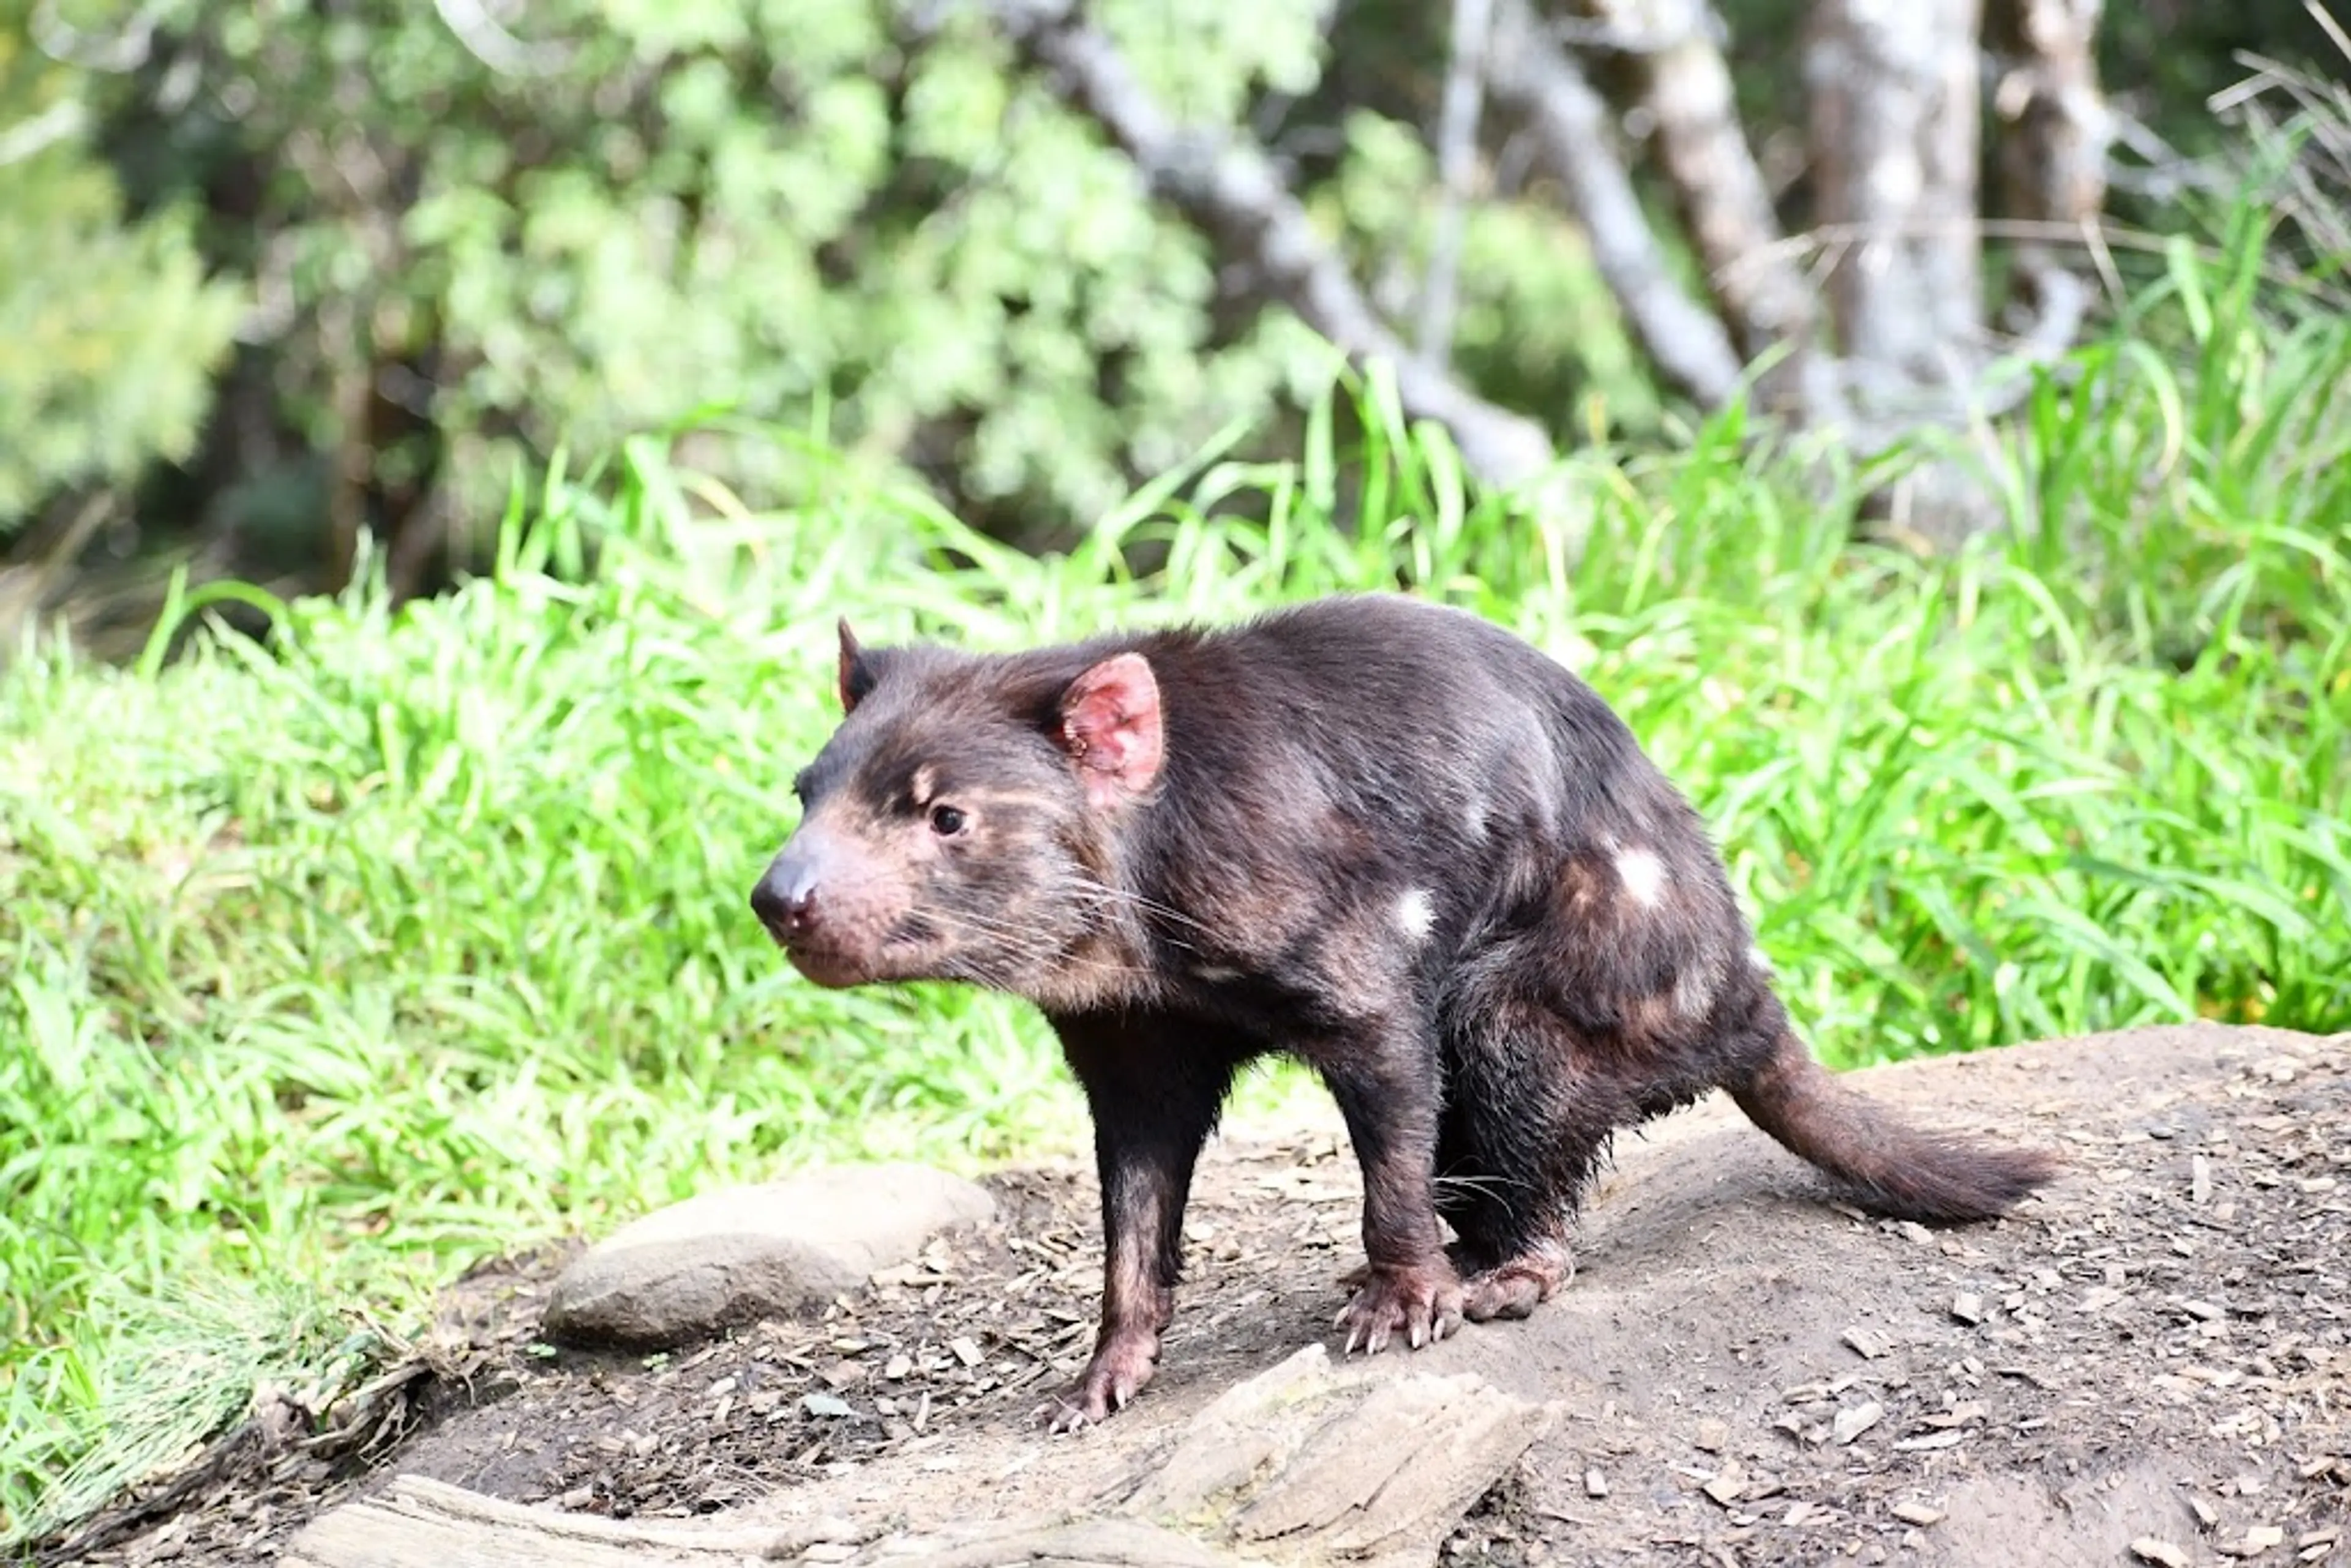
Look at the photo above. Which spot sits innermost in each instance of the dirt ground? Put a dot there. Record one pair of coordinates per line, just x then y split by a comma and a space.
2150, 1363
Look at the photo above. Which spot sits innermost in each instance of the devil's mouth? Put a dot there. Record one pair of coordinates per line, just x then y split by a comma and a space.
814, 959
816, 952
830, 969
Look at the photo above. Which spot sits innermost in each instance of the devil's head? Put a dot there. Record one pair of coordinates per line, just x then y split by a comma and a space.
958, 823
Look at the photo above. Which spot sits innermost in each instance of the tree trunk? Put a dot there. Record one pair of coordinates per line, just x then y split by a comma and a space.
2053, 160
2055, 133
1895, 128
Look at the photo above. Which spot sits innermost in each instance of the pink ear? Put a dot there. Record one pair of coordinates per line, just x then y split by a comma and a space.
1111, 725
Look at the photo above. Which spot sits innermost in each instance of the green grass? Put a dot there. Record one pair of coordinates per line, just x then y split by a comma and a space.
333, 964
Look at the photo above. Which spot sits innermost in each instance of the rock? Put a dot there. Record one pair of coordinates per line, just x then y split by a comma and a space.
1851, 1424
2156, 1550
731, 1256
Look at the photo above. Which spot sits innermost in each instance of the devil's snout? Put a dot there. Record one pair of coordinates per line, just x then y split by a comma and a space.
784, 900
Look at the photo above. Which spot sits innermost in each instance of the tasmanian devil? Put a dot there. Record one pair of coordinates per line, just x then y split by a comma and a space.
1385, 837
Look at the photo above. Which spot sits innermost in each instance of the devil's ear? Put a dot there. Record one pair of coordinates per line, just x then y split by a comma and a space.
859, 669
1112, 729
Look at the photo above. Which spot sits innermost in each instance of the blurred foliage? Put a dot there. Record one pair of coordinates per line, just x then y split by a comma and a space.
473, 247
109, 331
476, 234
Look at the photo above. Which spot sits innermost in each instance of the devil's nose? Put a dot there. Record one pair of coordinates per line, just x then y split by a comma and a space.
786, 895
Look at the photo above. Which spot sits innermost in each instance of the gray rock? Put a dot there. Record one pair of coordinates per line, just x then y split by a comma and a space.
731, 1256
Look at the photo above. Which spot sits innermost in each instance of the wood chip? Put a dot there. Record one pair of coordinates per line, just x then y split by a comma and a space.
1851, 1424
2200, 1180
1729, 1485
1867, 1344
1968, 1307
2206, 1514
1594, 1483
1712, 1434
1918, 1514
2155, 1549
1950, 1439
965, 1350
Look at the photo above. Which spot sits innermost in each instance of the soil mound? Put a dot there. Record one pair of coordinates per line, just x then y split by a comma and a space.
2152, 1358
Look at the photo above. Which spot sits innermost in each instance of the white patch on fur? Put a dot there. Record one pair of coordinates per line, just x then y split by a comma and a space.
1757, 957
1473, 819
1215, 973
1644, 877
1694, 990
1417, 913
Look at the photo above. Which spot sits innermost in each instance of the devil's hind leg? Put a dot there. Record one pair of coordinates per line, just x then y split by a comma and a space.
1525, 1128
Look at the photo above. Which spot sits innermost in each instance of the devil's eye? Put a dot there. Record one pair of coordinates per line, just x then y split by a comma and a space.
947, 820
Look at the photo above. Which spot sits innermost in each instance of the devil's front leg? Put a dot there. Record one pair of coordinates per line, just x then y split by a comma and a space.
1154, 1088
1384, 1076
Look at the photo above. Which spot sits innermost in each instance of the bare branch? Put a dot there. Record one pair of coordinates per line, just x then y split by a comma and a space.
2163, 172
1527, 70
1229, 190
1457, 156
114, 53
1686, 88
487, 38
61, 121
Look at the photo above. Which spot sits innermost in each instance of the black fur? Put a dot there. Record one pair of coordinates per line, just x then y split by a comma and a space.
1387, 838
